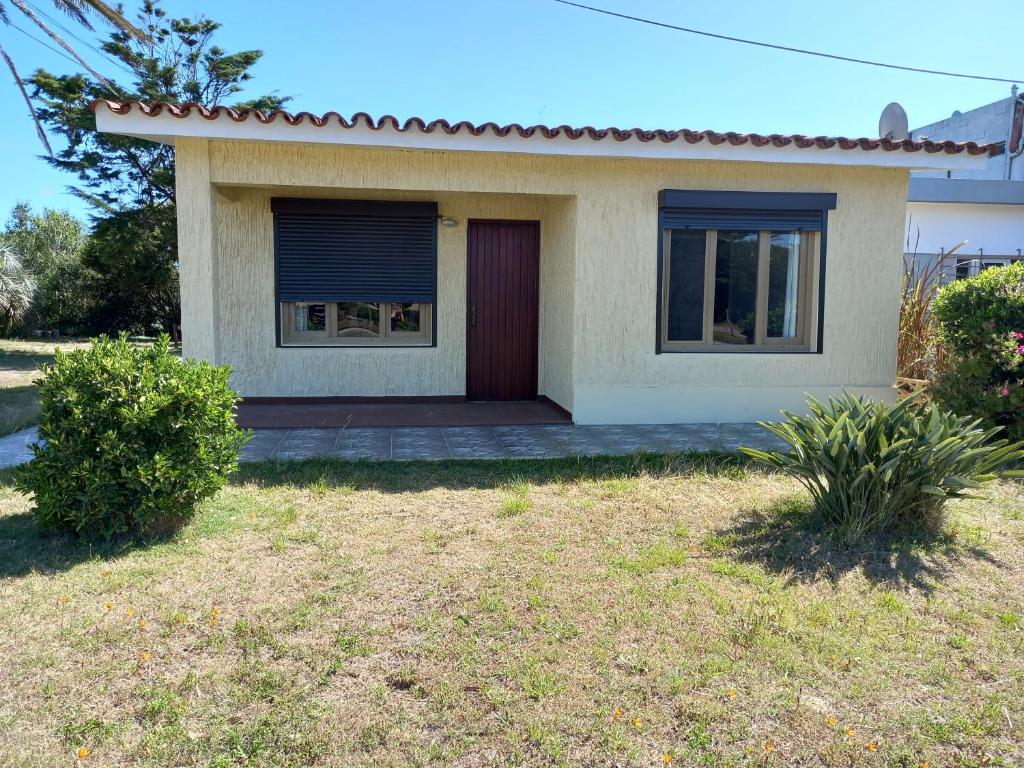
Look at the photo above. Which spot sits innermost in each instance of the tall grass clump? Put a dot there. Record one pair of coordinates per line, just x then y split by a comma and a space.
919, 354
874, 468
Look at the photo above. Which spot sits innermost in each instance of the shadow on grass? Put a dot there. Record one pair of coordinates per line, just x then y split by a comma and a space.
24, 359
26, 548
457, 474
19, 408
790, 540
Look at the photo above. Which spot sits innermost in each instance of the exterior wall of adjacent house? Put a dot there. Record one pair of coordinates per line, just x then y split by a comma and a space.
984, 206
994, 235
598, 276
989, 124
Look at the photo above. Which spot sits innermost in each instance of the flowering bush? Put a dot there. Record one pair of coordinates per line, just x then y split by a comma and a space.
981, 322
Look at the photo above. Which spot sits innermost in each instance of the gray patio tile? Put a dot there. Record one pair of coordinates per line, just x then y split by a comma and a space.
305, 444
262, 444
531, 442
408, 443
364, 443
513, 441
473, 442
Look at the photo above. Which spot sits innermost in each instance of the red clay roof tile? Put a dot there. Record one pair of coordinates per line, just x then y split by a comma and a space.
618, 134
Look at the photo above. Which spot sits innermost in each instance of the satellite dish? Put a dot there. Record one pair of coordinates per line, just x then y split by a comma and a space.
893, 123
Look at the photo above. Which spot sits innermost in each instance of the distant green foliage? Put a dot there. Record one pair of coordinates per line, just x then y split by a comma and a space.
134, 437
49, 245
981, 322
872, 468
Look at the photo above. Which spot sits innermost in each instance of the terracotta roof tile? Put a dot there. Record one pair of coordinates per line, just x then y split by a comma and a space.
616, 134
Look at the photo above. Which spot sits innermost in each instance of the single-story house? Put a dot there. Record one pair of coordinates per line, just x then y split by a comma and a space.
630, 276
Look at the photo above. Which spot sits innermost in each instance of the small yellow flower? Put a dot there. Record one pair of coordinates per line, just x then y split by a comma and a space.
769, 747
731, 693
145, 656
666, 758
617, 713
831, 721
83, 752
923, 764
871, 746
109, 607
638, 722
63, 599
850, 732
142, 624
130, 612
105, 572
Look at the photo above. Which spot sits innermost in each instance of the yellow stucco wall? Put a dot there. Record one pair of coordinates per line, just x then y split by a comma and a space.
598, 276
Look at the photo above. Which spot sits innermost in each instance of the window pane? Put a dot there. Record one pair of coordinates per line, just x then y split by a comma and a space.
357, 319
405, 318
735, 287
310, 318
685, 310
783, 285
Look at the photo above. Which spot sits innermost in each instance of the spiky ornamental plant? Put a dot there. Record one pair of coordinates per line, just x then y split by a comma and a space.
873, 468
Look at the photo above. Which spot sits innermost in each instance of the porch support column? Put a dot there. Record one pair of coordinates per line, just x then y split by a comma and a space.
197, 250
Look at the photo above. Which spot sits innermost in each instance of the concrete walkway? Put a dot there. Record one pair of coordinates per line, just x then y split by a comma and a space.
508, 442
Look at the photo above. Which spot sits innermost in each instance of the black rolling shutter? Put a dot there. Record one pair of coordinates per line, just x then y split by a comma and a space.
724, 218
781, 211
355, 250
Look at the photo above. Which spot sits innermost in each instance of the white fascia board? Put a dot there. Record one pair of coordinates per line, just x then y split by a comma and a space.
165, 128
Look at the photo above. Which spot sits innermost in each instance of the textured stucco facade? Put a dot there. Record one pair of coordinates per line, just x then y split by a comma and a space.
598, 276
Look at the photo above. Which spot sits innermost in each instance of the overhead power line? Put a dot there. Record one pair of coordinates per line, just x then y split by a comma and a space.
804, 51
80, 40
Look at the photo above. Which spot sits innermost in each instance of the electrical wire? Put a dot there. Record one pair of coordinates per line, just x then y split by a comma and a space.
787, 48
71, 33
43, 43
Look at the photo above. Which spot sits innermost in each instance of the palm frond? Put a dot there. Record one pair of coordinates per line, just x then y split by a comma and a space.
24, 94
60, 41
17, 288
115, 18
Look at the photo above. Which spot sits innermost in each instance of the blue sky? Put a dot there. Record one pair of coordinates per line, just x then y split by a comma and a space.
533, 61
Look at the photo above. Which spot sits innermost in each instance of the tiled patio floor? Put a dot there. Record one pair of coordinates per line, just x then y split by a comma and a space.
506, 442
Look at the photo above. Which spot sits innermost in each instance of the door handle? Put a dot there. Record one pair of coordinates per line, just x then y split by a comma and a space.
472, 315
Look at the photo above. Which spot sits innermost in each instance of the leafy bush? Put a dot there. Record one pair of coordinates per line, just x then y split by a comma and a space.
981, 323
134, 437
871, 467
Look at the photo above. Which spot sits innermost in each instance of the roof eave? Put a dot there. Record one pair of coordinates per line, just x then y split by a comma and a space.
167, 128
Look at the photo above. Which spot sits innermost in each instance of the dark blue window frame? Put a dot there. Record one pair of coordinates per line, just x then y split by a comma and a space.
702, 209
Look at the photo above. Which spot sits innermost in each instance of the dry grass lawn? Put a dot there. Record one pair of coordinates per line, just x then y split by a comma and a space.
19, 367
615, 612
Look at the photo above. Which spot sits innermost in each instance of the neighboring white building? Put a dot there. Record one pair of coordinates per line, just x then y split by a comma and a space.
984, 206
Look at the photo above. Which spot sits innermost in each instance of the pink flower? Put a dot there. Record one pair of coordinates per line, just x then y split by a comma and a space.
1006, 391
1017, 335
1020, 349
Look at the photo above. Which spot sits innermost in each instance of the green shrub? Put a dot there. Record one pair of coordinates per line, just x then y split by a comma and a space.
981, 324
134, 437
871, 467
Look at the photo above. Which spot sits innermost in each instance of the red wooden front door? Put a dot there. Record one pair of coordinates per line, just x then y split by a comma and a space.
502, 310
